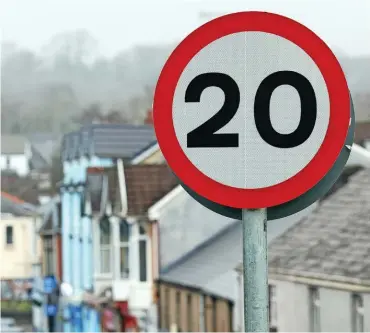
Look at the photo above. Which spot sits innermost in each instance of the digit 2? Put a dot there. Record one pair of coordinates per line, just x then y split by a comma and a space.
204, 135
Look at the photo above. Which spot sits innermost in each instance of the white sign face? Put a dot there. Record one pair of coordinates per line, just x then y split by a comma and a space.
256, 110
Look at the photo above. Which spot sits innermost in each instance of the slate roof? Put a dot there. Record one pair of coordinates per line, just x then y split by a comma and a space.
44, 145
13, 205
211, 265
334, 241
52, 216
24, 188
94, 188
107, 140
13, 144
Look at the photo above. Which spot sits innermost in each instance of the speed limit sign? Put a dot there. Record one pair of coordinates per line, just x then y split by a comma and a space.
251, 110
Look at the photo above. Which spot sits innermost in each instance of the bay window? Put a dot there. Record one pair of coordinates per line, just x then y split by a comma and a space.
133, 251
127, 246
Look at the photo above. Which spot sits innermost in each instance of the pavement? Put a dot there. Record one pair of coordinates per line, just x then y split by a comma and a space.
8, 325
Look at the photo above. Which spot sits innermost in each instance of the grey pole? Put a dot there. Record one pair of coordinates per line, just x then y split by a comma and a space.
255, 270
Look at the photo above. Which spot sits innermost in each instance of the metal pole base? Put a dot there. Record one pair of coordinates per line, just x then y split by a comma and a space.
255, 270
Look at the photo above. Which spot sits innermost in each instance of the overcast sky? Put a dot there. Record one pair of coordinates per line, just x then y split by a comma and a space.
118, 25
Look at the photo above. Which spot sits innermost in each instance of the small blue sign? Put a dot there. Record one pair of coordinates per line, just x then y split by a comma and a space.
76, 316
50, 283
51, 310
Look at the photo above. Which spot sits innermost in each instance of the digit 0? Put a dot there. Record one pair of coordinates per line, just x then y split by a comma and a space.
204, 136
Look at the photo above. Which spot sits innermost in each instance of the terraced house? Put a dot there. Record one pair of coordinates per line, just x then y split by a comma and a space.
93, 146
125, 241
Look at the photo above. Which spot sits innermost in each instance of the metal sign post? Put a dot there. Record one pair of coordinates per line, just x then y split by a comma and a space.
255, 271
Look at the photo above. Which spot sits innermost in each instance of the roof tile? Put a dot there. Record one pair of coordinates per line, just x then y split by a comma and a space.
334, 239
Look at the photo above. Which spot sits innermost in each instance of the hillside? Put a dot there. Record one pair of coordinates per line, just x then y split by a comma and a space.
54, 90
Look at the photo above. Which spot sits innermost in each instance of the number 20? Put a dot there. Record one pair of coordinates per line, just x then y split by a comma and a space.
204, 136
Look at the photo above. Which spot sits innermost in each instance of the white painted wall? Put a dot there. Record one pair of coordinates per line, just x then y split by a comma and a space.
367, 312
293, 310
17, 258
367, 144
292, 307
183, 224
17, 163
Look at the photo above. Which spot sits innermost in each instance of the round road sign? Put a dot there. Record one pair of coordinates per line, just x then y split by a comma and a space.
251, 110
300, 203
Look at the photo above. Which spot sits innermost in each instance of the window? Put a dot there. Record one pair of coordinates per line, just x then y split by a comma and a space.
178, 310
231, 319
167, 323
7, 162
189, 313
214, 314
48, 254
314, 309
105, 246
357, 313
272, 308
9, 235
143, 241
124, 234
82, 202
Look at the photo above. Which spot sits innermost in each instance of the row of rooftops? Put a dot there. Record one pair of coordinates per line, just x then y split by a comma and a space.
146, 184
332, 243
107, 141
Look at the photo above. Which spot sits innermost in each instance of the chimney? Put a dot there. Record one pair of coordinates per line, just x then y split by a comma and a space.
149, 117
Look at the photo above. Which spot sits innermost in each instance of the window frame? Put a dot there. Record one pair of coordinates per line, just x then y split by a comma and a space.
135, 238
104, 247
358, 313
214, 313
49, 253
125, 244
178, 310
10, 235
273, 308
167, 317
189, 312
315, 315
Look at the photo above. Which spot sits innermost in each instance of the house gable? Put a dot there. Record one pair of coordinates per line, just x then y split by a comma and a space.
150, 155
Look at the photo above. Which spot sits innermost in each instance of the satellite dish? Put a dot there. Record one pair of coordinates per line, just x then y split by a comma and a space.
66, 289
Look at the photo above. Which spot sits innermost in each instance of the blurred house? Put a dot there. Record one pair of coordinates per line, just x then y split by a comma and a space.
99, 145
319, 270
186, 308
50, 234
26, 165
209, 268
125, 241
24, 154
17, 243
15, 154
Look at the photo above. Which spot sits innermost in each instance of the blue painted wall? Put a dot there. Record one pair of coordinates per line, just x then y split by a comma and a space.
77, 244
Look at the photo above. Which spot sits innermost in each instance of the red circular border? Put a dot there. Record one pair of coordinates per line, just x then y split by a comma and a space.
336, 133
